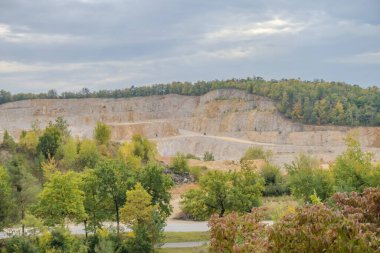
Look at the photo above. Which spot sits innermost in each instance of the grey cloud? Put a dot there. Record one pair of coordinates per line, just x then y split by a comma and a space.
69, 44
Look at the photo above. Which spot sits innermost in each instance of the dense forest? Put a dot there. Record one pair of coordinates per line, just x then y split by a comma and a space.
311, 102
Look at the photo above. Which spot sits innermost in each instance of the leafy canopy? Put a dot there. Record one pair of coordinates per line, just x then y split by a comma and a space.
102, 133
223, 192
61, 199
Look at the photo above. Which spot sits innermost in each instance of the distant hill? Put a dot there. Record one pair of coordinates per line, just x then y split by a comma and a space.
317, 102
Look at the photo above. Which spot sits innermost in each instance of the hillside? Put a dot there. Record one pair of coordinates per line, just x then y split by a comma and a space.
223, 121
317, 102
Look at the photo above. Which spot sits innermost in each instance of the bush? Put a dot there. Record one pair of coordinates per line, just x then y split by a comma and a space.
139, 243
197, 171
179, 164
351, 225
305, 178
192, 156
8, 142
19, 244
275, 182
102, 133
238, 233
253, 153
364, 207
60, 240
353, 168
318, 228
208, 156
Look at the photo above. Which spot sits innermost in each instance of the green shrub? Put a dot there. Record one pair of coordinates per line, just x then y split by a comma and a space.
102, 133
208, 156
197, 171
275, 183
254, 153
305, 177
179, 164
20, 244
8, 142
192, 156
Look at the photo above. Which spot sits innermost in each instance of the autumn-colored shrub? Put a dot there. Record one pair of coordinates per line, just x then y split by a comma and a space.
238, 233
318, 228
351, 224
364, 207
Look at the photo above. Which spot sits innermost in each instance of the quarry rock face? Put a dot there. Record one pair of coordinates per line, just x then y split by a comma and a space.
225, 122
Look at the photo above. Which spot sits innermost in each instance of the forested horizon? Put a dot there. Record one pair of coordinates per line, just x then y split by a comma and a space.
311, 102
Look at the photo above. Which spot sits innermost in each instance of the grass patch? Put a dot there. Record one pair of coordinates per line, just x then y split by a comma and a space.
278, 206
186, 236
202, 249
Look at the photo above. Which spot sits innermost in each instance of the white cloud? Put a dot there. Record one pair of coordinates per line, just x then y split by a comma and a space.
9, 34
254, 29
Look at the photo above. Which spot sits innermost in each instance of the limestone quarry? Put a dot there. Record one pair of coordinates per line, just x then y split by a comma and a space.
225, 122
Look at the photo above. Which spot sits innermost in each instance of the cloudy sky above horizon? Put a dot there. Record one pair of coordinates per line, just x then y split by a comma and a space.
105, 44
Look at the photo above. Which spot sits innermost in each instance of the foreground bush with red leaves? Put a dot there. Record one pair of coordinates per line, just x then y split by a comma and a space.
349, 224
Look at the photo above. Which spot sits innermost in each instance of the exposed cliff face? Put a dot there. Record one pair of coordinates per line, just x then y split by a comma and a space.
225, 122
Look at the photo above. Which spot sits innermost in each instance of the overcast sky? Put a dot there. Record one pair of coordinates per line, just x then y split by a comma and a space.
106, 44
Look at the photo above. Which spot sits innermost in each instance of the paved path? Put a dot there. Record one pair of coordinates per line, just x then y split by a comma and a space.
172, 226
183, 244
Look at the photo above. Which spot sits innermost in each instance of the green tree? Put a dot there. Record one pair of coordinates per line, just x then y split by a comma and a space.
143, 216
8, 142
143, 148
223, 192
102, 133
246, 190
158, 185
29, 141
305, 177
61, 199
69, 154
62, 125
138, 207
352, 168
114, 180
95, 203
49, 141
6, 201
88, 154
25, 188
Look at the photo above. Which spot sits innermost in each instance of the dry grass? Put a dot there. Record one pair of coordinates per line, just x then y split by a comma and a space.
279, 206
176, 192
223, 165
202, 249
